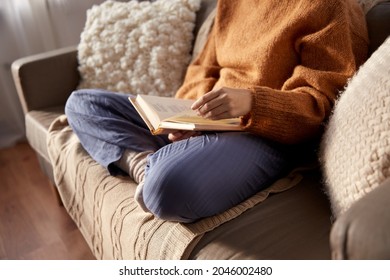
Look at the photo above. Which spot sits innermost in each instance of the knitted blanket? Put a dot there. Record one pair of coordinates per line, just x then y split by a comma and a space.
110, 220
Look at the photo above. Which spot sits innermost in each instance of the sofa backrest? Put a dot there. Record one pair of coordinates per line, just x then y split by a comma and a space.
378, 24
206, 7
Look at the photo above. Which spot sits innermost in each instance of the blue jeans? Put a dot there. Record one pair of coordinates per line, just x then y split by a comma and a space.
185, 180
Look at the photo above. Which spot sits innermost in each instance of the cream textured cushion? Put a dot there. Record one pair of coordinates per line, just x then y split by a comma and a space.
137, 47
355, 150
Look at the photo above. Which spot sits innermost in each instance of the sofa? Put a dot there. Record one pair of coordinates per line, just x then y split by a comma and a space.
294, 221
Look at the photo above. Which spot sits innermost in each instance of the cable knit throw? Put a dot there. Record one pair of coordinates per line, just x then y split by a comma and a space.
137, 47
355, 150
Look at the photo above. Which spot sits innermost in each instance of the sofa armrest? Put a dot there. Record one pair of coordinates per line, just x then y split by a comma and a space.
363, 231
46, 79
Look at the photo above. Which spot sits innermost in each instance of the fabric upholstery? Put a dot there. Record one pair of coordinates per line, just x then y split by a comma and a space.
362, 233
378, 24
45, 80
367, 5
291, 225
203, 33
37, 125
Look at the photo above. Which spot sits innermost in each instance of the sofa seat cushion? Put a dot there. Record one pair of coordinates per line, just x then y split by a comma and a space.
37, 126
292, 225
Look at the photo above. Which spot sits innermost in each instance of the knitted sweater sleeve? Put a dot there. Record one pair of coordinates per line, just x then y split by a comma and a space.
328, 58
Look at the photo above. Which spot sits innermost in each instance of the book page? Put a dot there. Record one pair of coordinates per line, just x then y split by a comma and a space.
165, 107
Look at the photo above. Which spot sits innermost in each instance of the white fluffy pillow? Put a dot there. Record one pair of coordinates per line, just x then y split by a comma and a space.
355, 150
137, 47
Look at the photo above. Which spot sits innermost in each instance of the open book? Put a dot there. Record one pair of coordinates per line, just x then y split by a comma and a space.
166, 114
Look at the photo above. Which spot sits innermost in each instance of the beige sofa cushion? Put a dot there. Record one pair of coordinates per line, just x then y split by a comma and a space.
37, 125
137, 47
355, 150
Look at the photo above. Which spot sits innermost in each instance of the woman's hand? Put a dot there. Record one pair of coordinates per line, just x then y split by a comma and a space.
224, 103
182, 134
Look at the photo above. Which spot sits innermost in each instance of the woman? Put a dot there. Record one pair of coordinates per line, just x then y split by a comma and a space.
278, 65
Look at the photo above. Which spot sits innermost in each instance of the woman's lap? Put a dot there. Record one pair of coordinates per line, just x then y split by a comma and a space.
208, 174
185, 180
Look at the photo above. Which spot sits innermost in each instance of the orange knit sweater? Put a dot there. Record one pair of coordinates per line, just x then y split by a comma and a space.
295, 56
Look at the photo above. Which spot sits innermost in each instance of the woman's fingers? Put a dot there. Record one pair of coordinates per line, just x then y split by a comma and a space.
224, 103
182, 134
200, 102
213, 107
215, 112
173, 136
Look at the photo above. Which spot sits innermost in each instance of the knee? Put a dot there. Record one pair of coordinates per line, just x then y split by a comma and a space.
169, 197
81, 109
74, 105
83, 105
77, 103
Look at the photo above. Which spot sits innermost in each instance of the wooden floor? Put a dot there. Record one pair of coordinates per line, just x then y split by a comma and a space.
32, 224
